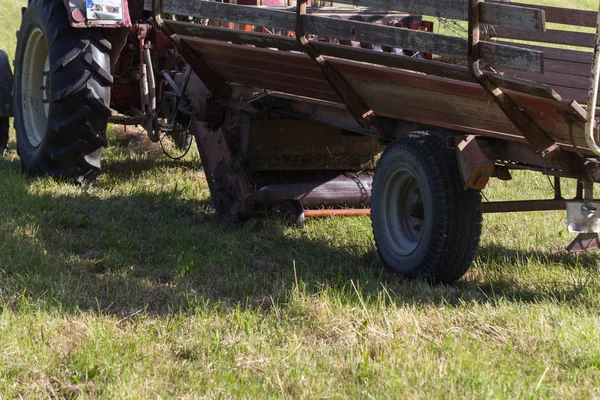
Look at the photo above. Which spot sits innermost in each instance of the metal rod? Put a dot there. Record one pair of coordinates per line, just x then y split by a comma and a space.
170, 82
557, 188
151, 78
348, 212
590, 122
524, 206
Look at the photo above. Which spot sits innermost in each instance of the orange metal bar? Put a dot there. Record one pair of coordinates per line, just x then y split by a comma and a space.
337, 213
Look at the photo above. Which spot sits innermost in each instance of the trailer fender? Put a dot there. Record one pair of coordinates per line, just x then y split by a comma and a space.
109, 14
6, 81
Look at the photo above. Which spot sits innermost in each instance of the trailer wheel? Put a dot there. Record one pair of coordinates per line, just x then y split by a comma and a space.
425, 224
62, 93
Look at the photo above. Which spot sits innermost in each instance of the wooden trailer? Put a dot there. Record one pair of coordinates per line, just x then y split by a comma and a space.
295, 105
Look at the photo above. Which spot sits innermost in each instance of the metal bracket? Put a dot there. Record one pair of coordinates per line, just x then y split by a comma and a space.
354, 103
543, 144
476, 169
584, 242
156, 12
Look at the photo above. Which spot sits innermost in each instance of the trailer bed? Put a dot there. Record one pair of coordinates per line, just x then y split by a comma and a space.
367, 78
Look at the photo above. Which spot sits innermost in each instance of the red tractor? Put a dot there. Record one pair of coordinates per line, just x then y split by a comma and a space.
77, 60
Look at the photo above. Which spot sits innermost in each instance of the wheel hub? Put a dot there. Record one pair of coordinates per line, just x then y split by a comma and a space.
36, 87
405, 209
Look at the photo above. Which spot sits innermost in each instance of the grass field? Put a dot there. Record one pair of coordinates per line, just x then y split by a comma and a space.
131, 287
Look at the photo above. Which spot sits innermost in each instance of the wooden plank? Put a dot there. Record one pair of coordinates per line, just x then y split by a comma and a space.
392, 60
455, 9
441, 85
252, 15
513, 57
523, 86
560, 15
377, 94
500, 56
513, 16
280, 62
508, 15
580, 39
550, 53
385, 35
555, 79
567, 67
235, 36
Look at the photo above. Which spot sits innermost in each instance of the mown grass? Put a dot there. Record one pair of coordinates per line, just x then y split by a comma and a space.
131, 287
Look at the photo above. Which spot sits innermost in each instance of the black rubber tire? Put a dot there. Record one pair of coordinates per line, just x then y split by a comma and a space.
4, 129
292, 211
452, 224
79, 94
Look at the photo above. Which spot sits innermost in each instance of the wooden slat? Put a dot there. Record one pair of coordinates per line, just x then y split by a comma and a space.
523, 86
551, 53
511, 16
500, 56
234, 36
560, 15
580, 39
507, 15
252, 15
385, 35
392, 60
513, 57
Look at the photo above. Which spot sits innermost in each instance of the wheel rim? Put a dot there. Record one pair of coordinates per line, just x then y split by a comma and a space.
36, 87
405, 216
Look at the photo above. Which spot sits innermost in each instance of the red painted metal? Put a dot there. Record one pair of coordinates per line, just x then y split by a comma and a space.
228, 185
584, 242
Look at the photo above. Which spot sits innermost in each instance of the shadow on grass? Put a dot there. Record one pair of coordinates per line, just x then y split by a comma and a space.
127, 168
159, 253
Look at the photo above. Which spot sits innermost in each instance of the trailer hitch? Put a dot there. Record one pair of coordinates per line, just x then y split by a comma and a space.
149, 117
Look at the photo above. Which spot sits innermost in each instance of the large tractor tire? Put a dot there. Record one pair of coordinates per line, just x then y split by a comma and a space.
61, 92
4, 128
426, 225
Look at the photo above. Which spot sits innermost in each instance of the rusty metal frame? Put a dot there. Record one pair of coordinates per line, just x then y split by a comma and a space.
543, 144
363, 114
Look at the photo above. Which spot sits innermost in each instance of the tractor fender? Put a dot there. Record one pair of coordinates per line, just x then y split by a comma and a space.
6, 82
78, 16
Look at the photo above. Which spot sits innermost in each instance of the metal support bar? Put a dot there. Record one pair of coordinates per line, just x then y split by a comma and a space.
557, 188
353, 102
590, 124
524, 206
535, 136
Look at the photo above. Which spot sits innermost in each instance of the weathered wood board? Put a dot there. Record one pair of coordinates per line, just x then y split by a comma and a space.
501, 56
529, 17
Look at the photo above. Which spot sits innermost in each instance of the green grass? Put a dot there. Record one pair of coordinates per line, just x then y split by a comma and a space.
131, 287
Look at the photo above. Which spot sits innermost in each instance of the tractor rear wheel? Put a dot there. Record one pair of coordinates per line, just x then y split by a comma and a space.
61, 93
4, 129
425, 223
